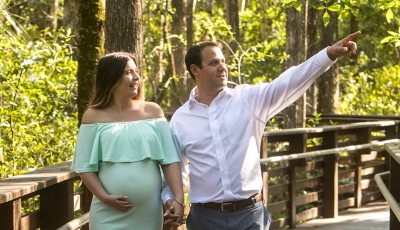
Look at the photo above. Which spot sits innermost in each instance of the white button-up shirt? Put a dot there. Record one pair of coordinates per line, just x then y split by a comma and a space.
222, 141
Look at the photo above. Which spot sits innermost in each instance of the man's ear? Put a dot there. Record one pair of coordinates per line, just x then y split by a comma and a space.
194, 69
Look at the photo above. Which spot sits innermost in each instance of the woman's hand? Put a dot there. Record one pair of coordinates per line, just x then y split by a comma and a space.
173, 214
117, 201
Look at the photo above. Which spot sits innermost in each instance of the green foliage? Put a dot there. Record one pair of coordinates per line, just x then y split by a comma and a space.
392, 38
38, 89
262, 48
377, 92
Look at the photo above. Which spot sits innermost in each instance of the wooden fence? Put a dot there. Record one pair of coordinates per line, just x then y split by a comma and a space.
392, 194
295, 190
320, 186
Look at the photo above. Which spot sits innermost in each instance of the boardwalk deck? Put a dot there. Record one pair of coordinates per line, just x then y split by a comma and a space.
374, 215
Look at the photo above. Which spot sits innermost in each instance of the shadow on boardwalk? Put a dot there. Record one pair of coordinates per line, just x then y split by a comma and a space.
374, 215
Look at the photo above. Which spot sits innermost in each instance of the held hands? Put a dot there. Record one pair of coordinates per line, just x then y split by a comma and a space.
343, 47
173, 214
119, 202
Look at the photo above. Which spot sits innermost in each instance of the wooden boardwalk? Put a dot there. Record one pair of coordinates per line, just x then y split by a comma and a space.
374, 215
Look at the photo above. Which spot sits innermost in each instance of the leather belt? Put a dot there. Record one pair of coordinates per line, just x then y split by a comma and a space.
231, 206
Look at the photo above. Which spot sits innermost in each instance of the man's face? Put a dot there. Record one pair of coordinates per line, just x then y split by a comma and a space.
213, 74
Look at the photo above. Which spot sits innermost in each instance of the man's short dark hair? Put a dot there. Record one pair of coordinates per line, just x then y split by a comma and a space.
193, 56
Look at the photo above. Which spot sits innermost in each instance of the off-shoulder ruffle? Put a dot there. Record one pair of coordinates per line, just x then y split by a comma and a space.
123, 142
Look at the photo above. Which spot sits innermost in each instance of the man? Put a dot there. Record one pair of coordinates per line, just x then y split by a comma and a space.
219, 130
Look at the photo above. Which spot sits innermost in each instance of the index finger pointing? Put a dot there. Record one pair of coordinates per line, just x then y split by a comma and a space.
351, 36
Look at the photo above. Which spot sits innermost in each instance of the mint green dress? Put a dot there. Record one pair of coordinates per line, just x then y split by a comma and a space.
127, 157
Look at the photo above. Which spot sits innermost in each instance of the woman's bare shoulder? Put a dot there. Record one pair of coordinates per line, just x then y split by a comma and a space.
92, 116
153, 110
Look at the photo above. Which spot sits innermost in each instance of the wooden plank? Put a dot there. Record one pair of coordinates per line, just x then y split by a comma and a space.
394, 150
10, 214
309, 198
278, 189
21, 185
279, 223
308, 214
311, 165
278, 207
281, 171
309, 183
346, 188
31, 221
346, 203
56, 205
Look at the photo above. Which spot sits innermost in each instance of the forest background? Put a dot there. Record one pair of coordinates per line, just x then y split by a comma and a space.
49, 50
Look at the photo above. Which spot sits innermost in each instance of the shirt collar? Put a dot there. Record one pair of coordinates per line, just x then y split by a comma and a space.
195, 92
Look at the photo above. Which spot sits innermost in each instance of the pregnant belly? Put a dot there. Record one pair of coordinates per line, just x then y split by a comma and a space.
140, 180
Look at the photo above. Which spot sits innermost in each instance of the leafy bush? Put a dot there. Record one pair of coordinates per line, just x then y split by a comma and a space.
38, 88
374, 93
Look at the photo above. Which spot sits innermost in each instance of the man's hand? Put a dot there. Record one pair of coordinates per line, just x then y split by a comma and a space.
343, 47
173, 215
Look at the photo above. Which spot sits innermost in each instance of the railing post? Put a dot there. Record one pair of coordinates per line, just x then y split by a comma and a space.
86, 201
297, 144
264, 171
363, 137
56, 205
10, 214
331, 177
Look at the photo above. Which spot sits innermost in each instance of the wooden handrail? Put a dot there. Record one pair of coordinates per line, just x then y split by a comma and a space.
392, 195
76, 223
369, 124
55, 187
326, 151
21, 185
394, 205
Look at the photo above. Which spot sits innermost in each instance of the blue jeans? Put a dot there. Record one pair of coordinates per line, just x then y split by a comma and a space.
254, 217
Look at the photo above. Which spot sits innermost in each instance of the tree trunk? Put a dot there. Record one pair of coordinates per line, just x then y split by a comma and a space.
264, 27
328, 96
90, 49
177, 53
232, 18
189, 23
296, 47
123, 28
189, 35
313, 48
70, 19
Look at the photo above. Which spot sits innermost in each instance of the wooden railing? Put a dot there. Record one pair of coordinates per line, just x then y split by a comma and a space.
294, 189
392, 194
48, 191
297, 190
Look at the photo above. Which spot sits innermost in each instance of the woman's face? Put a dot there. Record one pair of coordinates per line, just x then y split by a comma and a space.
128, 85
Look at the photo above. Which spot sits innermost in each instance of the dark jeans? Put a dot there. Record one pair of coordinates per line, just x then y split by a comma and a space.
254, 217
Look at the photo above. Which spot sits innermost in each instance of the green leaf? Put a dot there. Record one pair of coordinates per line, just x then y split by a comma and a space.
319, 6
386, 39
389, 15
334, 7
326, 18
297, 5
394, 34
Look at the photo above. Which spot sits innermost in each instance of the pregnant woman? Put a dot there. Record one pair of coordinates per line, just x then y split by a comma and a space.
122, 144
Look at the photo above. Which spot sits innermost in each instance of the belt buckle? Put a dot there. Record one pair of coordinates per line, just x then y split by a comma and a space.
223, 205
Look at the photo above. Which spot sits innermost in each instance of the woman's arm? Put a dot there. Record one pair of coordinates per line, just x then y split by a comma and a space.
172, 173
92, 182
